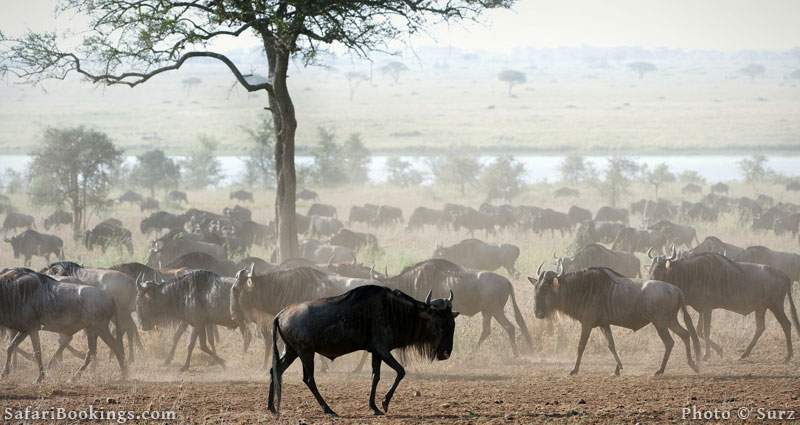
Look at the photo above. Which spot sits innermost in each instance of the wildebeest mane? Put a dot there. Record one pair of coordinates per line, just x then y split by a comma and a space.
63, 268
17, 286
280, 288
579, 291
433, 273
134, 269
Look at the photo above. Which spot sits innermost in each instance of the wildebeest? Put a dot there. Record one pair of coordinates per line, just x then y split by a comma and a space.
612, 214
472, 220
711, 281
600, 297
697, 211
199, 298
162, 220
30, 302
167, 250
57, 218
321, 226
370, 318
566, 192
692, 189
130, 197
261, 265
423, 216
202, 261
321, 253
238, 213
578, 214
478, 292
479, 255
30, 243
388, 215
354, 240
596, 255
715, 245
118, 285
549, 219
322, 210
363, 214
242, 195
148, 204
15, 220
597, 232
177, 196
675, 234
105, 235
632, 240
787, 262
307, 195
720, 188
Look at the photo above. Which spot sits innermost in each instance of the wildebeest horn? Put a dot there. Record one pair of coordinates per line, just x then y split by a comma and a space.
674, 253
428, 298
539, 270
560, 268
450, 298
386, 271
650, 253
252, 269
139, 280
354, 259
330, 260
372, 272
554, 255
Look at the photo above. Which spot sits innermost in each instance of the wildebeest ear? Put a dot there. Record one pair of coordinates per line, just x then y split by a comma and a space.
250, 283
455, 314
555, 283
669, 264
424, 314
532, 280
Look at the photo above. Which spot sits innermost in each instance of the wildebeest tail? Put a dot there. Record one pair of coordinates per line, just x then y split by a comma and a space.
275, 398
520, 320
794, 310
687, 320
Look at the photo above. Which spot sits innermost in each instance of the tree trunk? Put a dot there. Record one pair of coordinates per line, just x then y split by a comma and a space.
285, 122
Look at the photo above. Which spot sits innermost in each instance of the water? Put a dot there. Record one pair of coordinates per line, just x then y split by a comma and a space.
538, 167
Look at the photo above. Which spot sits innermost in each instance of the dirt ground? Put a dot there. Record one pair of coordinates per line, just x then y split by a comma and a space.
470, 389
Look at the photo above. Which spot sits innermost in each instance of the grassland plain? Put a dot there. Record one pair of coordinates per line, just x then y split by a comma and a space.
591, 112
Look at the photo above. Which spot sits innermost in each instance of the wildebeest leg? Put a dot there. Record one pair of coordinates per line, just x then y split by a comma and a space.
501, 318
701, 330
37, 353
175, 338
63, 342
211, 335
666, 338
759, 330
611, 347
398, 368
487, 329
115, 346
12, 347
91, 339
192, 341
684, 335
247, 336
376, 377
75, 352
786, 325
586, 330
276, 372
266, 334
204, 347
308, 379
361, 362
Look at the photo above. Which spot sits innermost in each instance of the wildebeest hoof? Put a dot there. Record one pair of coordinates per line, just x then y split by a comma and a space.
184, 369
573, 372
787, 359
376, 412
39, 380
658, 373
330, 412
385, 405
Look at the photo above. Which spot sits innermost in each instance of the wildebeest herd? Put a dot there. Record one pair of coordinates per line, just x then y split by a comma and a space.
198, 273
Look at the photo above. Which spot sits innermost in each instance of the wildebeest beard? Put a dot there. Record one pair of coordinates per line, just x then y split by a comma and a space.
415, 335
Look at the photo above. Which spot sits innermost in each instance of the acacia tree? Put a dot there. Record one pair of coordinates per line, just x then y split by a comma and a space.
128, 42
155, 169
641, 68
659, 176
512, 78
394, 69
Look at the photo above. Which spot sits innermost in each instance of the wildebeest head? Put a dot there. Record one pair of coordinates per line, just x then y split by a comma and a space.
148, 304
661, 264
546, 287
440, 325
14, 241
243, 278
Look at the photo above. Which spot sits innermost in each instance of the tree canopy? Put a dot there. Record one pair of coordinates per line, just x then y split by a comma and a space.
642, 68
154, 169
512, 78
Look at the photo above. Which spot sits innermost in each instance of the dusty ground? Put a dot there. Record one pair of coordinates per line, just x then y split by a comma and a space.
465, 389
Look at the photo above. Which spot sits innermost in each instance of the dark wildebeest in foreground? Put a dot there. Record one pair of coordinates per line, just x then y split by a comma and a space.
711, 281
596, 255
369, 318
478, 255
601, 297
787, 262
307, 195
242, 195
199, 298
177, 196
57, 218
30, 302
478, 292
30, 243
15, 220
105, 235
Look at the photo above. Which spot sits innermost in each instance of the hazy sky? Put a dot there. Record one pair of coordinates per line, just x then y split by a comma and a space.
706, 24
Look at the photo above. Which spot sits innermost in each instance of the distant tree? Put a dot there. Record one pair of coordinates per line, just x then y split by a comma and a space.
355, 158
202, 168
617, 179
154, 169
456, 168
401, 173
260, 160
502, 178
642, 68
73, 166
354, 79
394, 69
191, 83
691, 176
753, 70
574, 169
512, 78
659, 176
328, 169
754, 169
12, 181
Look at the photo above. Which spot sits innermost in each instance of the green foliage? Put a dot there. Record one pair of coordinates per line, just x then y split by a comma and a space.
73, 166
336, 164
575, 169
401, 173
641, 68
691, 176
394, 69
659, 176
154, 169
502, 178
754, 169
12, 181
202, 168
512, 78
355, 157
260, 161
456, 168
617, 179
